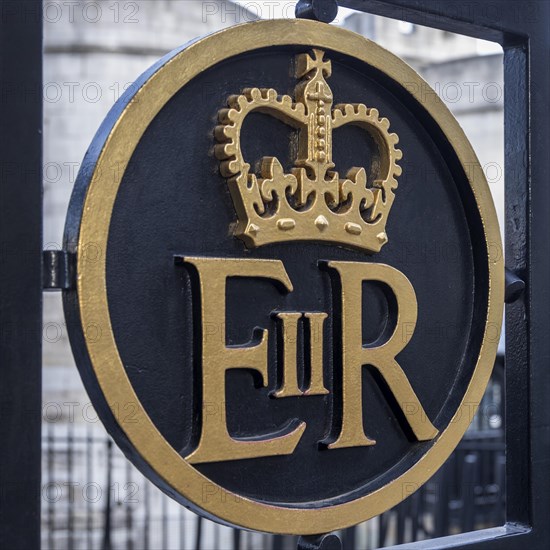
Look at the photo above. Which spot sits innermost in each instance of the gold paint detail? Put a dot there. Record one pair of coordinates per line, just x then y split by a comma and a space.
353, 228
321, 222
286, 223
316, 323
178, 475
289, 333
289, 322
215, 443
312, 201
382, 237
382, 357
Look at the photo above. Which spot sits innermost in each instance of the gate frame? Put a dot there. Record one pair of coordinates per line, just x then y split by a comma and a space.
521, 28
20, 272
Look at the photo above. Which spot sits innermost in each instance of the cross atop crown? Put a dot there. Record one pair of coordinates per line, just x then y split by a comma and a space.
305, 63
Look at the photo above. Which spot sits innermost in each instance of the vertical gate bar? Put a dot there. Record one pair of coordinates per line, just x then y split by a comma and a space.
442, 502
198, 533
147, 515
89, 480
469, 481
164, 519
20, 272
107, 525
382, 528
70, 487
349, 538
422, 500
277, 542
516, 128
538, 294
182, 528
401, 517
501, 484
51, 505
236, 539
128, 489
415, 511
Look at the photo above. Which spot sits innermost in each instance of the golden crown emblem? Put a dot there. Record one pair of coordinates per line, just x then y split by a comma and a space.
312, 202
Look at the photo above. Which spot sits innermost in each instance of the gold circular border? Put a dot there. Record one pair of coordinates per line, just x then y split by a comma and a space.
92, 287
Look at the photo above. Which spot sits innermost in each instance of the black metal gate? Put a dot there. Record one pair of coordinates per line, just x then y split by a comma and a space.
522, 28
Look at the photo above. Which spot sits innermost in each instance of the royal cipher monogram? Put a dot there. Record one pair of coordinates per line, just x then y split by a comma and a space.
312, 203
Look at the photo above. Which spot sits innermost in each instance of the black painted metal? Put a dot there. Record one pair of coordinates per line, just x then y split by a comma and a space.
319, 10
20, 272
107, 542
321, 542
514, 287
58, 270
522, 28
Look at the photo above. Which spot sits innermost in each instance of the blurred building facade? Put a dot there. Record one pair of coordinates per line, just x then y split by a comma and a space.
95, 51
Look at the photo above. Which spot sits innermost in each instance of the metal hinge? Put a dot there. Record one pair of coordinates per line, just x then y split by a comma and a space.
58, 270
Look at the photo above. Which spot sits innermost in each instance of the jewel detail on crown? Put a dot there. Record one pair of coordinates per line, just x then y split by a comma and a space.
312, 202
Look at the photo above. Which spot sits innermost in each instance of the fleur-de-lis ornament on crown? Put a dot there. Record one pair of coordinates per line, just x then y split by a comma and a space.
312, 202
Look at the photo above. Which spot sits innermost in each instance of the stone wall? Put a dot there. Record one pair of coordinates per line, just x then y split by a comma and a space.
473, 89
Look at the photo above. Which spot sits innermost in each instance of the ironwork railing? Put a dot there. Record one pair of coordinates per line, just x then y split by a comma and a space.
94, 498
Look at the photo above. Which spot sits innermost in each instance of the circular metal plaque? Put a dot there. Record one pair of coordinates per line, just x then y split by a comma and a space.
289, 277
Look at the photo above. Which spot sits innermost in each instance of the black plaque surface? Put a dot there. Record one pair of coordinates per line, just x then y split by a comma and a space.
171, 201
